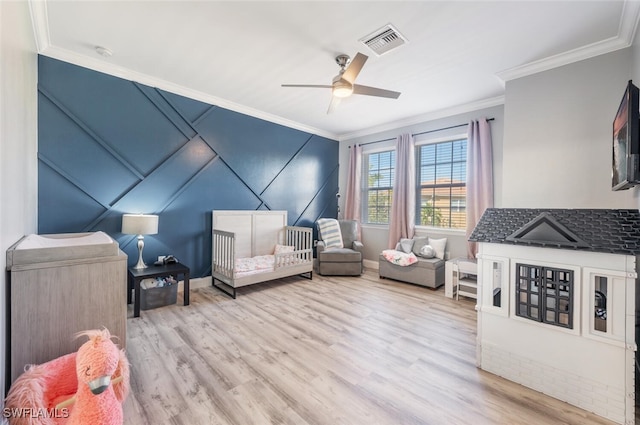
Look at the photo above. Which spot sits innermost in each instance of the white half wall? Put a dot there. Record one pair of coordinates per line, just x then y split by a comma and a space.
18, 140
557, 136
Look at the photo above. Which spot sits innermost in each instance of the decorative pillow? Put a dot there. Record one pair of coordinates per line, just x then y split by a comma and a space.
438, 246
329, 229
418, 243
427, 251
281, 249
406, 245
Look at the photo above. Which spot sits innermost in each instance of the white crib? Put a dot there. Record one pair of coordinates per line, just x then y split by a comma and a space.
250, 247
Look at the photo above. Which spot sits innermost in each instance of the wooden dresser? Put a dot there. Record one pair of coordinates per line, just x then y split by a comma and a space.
54, 293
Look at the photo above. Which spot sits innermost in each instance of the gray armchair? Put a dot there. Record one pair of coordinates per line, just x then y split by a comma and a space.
345, 261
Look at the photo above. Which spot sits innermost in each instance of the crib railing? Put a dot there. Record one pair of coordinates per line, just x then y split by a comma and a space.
300, 239
223, 252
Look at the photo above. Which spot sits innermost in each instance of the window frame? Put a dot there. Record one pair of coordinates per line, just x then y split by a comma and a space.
389, 145
430, 140
380, 148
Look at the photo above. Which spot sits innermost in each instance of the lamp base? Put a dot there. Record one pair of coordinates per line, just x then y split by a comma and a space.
140, 264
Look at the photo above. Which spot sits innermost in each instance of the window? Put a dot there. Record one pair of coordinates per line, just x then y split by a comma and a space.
545, 294
442, 187
496, 283
379, 186
600, 303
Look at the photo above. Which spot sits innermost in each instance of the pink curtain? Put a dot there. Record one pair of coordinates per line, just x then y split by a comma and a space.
403, 210
352, 201
479, 176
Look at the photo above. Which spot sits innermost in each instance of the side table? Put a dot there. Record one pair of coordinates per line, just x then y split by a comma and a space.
460, 278
467, 279
135, 276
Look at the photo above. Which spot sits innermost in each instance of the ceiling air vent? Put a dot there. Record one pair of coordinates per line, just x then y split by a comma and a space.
384, 40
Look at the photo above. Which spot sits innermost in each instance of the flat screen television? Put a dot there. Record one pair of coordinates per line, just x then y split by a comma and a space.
626, 141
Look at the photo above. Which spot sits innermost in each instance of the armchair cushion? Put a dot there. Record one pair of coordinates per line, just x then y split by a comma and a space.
340, 255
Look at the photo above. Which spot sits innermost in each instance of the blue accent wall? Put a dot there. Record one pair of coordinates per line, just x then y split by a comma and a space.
109, 146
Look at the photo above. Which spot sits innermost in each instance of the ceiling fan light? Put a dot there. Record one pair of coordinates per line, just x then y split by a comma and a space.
342, 91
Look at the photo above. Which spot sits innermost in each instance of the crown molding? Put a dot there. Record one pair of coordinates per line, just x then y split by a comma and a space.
566, 58
626, 33
40, 21
629, 21
429, 116
40, 24
127, 74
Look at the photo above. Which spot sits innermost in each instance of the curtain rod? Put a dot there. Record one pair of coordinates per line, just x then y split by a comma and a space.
423, 132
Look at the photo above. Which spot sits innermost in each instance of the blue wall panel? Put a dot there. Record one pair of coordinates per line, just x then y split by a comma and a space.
302, 168
71, 207
190, 109
232, 135
65, 145
115, 110
109, 146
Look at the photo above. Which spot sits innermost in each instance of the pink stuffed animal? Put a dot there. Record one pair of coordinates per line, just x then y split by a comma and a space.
40, 395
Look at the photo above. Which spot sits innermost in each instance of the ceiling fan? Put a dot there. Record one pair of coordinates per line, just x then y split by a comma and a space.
343, 84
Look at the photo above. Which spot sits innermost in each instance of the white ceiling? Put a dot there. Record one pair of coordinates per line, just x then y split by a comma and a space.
237, 54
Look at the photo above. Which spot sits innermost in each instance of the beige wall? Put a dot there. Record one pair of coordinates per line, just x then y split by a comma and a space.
18, 140
557, 136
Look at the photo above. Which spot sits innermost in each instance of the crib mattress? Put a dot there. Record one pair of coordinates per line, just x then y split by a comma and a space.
253, 265
261, 264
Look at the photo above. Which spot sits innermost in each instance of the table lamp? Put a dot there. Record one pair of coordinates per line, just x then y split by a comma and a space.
140, 224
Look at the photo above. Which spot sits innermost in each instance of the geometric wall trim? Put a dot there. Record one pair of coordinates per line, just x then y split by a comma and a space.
109, 146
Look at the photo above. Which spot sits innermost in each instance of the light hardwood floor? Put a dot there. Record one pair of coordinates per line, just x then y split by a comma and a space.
331, 351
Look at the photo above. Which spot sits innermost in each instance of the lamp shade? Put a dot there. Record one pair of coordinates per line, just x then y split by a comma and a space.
139, 224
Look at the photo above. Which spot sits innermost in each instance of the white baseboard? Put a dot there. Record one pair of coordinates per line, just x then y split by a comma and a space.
370, 264
199, 282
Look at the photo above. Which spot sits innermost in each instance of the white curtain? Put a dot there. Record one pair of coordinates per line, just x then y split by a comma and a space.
352, 200
479, 176
403, 205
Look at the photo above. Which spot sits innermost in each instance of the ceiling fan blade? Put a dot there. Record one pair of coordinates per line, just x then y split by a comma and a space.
308, 85
335, 101
355, 67
373, 91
